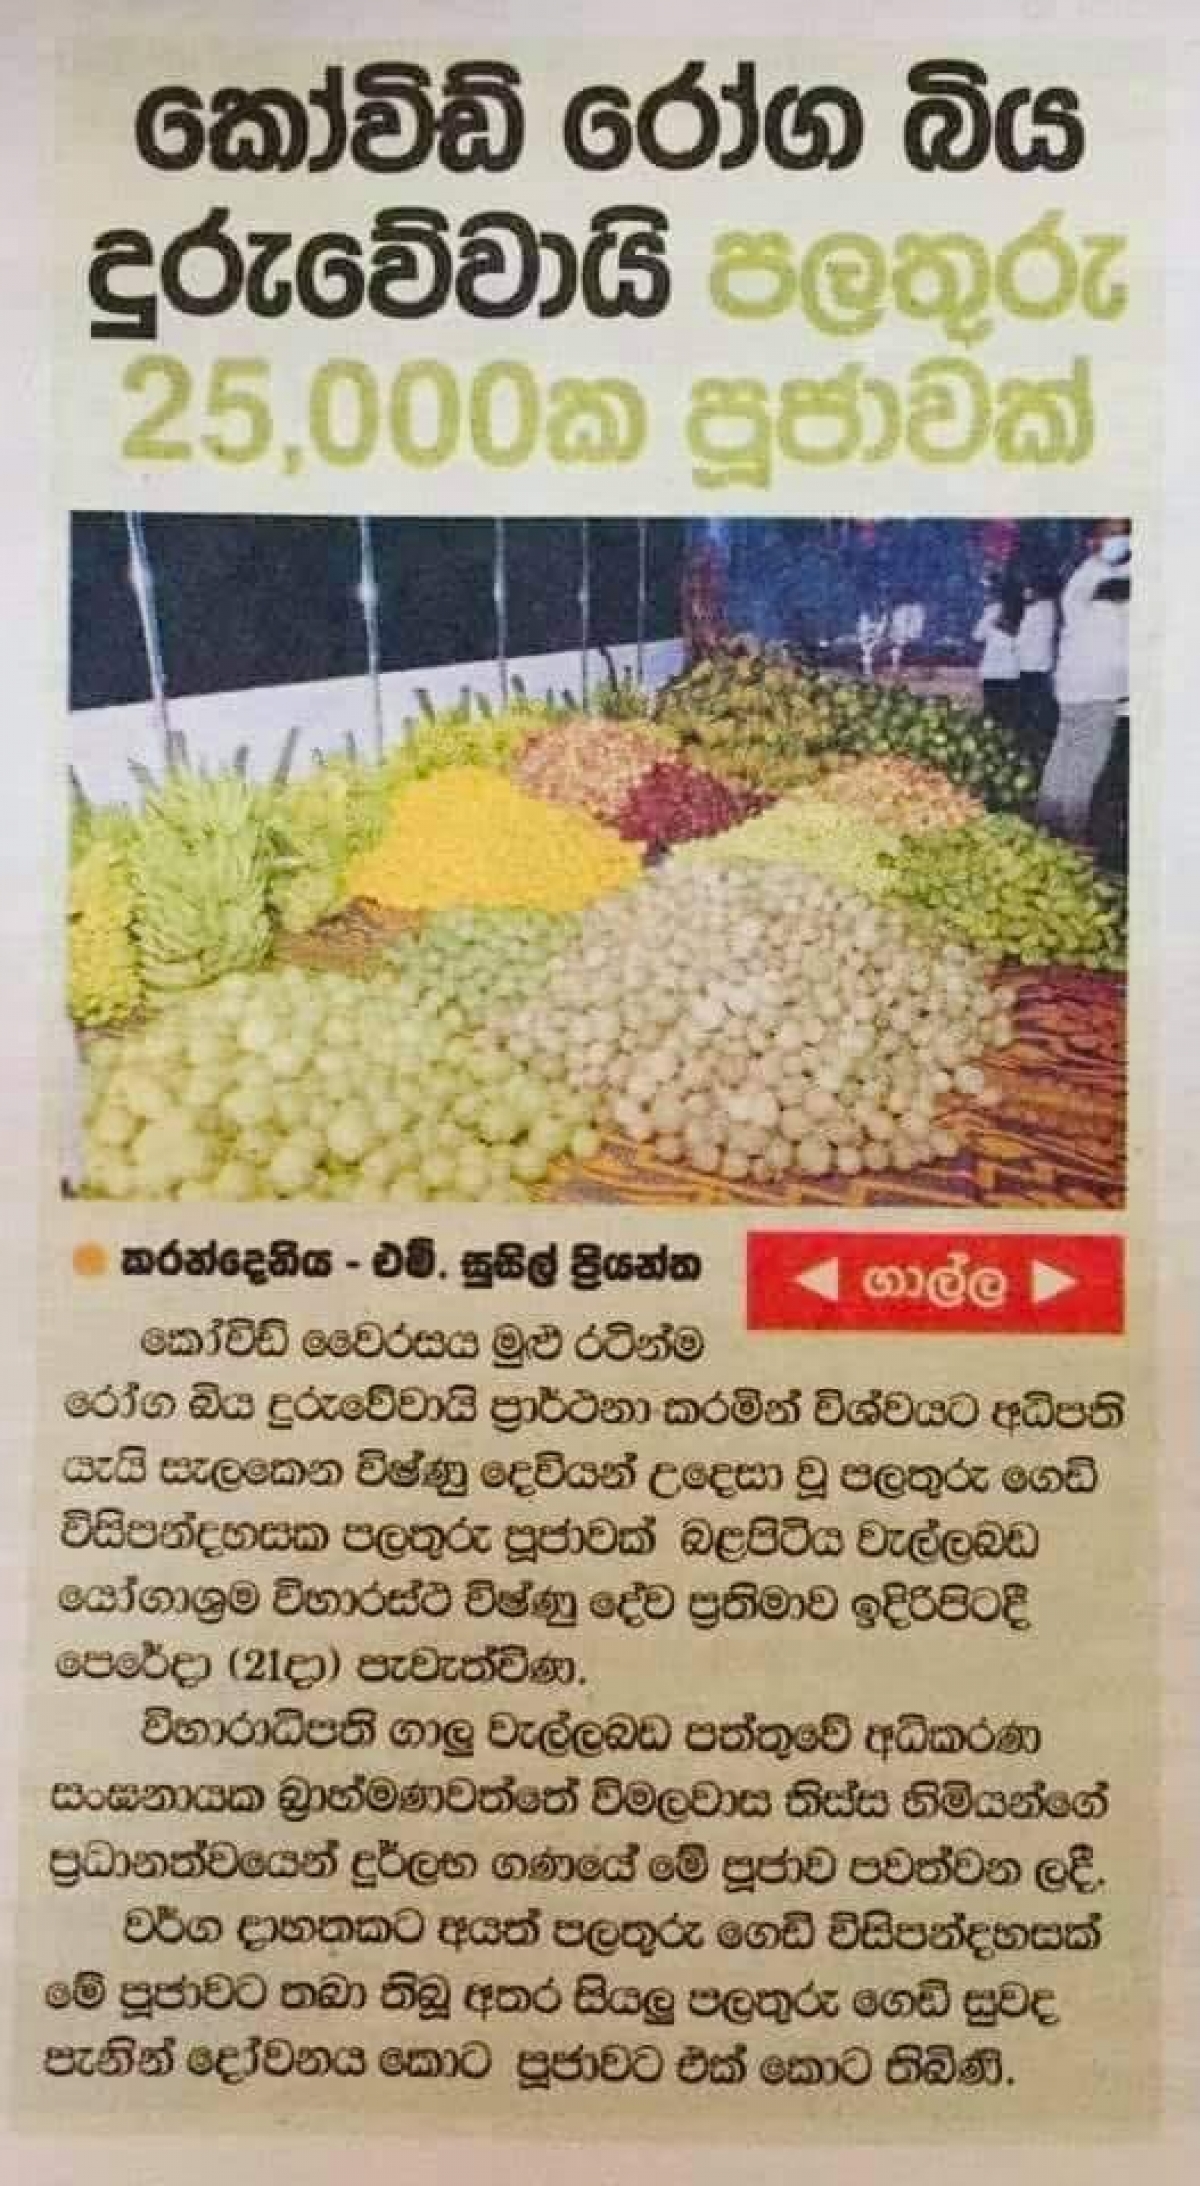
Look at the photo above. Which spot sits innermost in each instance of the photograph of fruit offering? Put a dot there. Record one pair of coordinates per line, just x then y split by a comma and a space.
422, 859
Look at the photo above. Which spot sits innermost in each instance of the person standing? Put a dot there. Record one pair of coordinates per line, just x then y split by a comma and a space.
999, 670
1092, 680
1037, 638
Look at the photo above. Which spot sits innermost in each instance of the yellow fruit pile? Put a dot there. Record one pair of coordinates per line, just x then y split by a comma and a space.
467, 836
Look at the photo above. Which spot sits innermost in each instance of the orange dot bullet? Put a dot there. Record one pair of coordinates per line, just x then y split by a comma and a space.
90, 1259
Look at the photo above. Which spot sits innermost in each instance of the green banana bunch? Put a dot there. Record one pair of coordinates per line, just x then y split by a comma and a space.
459, 738
319, 823
115, 825
202, 865
310, 842
103, 985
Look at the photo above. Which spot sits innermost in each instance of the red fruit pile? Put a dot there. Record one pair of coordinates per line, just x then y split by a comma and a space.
676, 803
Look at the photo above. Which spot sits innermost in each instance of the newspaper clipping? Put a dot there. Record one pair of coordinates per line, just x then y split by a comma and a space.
594, 1568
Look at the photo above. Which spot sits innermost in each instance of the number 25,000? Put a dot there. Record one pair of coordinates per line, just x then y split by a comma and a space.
423, 417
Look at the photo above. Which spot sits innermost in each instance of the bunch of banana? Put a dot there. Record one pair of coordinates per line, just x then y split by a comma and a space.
103, 985
301, 900
752, 714
460, 736
311, 832
320, 823
202, 865
115, 825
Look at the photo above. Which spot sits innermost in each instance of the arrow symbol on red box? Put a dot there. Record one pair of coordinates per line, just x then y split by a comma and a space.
823, 1278
1047, 1282
1037, 1285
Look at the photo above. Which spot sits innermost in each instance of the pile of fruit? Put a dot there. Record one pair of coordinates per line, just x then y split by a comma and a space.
752, 1021
303, 1084
321, 823
746, 712
1005, 888
676, 803
837, 842
461, 736
902, 795
214, 868
169, 899
587, 762
468, 836
943, 733
480, 961
797, 990
104, 981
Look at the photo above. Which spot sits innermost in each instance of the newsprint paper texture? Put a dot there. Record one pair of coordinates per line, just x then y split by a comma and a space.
599, 1197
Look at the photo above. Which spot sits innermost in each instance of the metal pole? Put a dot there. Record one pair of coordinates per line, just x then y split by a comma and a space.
500, 601
141, 577
643, 531
585, 608
368, 596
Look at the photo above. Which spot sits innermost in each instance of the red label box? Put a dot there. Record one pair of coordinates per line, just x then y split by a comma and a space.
935, 1282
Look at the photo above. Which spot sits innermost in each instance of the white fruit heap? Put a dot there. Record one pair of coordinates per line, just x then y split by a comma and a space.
753, 1020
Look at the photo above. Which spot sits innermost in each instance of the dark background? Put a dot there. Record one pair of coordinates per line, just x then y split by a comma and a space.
248, 601
807, 581
245, 601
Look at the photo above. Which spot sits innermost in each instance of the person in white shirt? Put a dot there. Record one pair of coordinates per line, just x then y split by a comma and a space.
1037, 639
1092, 680
999, 671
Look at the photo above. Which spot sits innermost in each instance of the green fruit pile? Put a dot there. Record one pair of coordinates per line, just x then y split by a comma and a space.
201, 863
836, 842
481, 961
314, 1085
460, 737
959, 741
749, 713
755, 715
1005, 888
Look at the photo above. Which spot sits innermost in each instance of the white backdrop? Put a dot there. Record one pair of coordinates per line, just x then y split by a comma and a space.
103, 739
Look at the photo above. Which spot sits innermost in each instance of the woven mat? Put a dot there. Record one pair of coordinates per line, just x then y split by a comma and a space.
1055, 1139
351, 942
